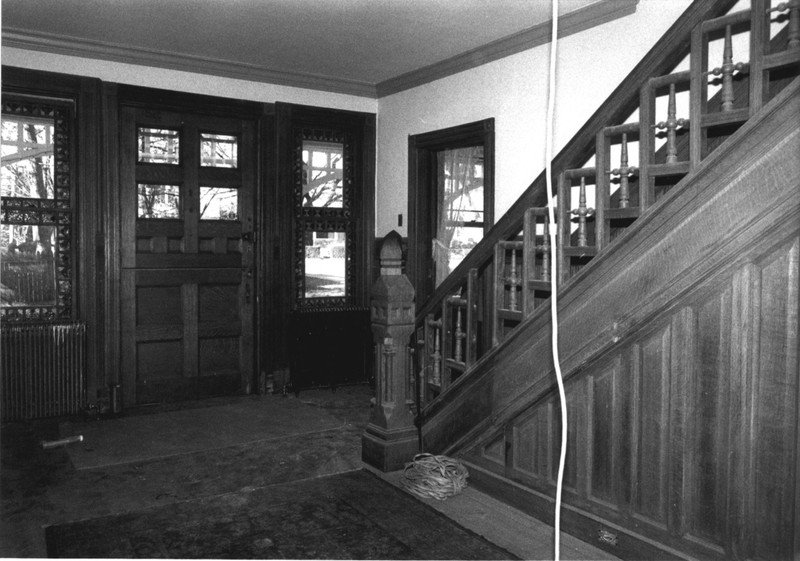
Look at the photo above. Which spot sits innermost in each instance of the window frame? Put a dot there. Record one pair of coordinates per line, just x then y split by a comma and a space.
59, 212
422, 194
324, 219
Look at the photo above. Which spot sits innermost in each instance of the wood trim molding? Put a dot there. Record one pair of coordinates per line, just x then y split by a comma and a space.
101, 50
574, 22
580, 20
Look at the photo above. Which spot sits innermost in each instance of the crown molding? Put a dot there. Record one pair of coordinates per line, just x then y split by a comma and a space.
72, 46
585, 18
574, 22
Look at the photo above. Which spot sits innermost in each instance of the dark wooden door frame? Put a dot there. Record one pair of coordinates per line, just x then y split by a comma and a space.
114, 96
422, 149
280, 210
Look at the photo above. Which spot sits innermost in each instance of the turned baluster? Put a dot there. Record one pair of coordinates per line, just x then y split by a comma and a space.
624, 171
544, 248
513, 280
671, 125
793, 27
436, 355
726, 71
459, 336
582, 212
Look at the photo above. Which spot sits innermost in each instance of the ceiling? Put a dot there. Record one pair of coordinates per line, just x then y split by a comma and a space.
347, 45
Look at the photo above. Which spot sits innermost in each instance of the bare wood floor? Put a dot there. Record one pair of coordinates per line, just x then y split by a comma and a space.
47, 487
524, 536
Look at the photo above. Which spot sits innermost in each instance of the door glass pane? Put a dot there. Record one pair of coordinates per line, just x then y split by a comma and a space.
219, 150
219, 203
460, 219
322, 174
27, 157
325, 264
159, 146
159, 201
27, 265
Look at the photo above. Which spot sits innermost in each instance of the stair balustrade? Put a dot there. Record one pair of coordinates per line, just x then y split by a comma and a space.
506, 278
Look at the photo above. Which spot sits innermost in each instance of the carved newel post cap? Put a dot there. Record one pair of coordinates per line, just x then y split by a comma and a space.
392, 254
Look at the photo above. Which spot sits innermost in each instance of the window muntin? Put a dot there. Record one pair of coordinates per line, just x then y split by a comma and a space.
158, 146
219, 150
36, 217
158, 201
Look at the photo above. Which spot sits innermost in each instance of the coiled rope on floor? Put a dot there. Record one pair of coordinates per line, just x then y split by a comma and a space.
434, 477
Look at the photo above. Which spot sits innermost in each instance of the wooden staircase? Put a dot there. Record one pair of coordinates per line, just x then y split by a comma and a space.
678, 219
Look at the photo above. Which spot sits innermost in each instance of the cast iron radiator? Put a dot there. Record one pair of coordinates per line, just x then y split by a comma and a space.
43, 369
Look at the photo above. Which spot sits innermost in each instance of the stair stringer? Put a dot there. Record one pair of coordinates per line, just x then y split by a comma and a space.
710, 239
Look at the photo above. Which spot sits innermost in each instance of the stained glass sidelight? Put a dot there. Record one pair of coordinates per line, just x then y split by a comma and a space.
323, 170
324, 234
36, 250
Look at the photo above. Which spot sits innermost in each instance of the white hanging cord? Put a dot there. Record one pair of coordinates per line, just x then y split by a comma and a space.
551, 101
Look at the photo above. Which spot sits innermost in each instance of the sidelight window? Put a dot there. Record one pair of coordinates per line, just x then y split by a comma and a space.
325, 219
36, 247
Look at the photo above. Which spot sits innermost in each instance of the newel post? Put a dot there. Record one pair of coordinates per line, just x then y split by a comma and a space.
390, 439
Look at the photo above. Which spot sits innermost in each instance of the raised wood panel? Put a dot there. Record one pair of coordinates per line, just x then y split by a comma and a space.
219, 303
495, 450
707, 409
775, 454
603, 403
163, 359
218, 356
650, 427
576, 437
533, 443
157, 305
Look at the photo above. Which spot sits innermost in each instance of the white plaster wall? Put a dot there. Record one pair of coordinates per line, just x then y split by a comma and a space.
182, 81
513, 90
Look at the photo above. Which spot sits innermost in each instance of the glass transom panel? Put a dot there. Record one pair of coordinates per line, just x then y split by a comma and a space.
219, 150
219, 203
158, 201
158, 146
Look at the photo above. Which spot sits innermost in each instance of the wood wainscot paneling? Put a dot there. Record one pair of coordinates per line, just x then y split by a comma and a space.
680, 353
687, 434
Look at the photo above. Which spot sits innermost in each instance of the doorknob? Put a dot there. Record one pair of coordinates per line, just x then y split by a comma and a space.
249, 237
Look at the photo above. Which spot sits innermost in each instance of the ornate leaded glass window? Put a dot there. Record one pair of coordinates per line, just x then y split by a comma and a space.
324, 223
37, 213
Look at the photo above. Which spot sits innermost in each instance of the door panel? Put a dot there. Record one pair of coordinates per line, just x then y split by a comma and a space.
187, 286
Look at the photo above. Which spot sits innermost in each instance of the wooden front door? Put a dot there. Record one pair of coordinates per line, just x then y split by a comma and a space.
187, 186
